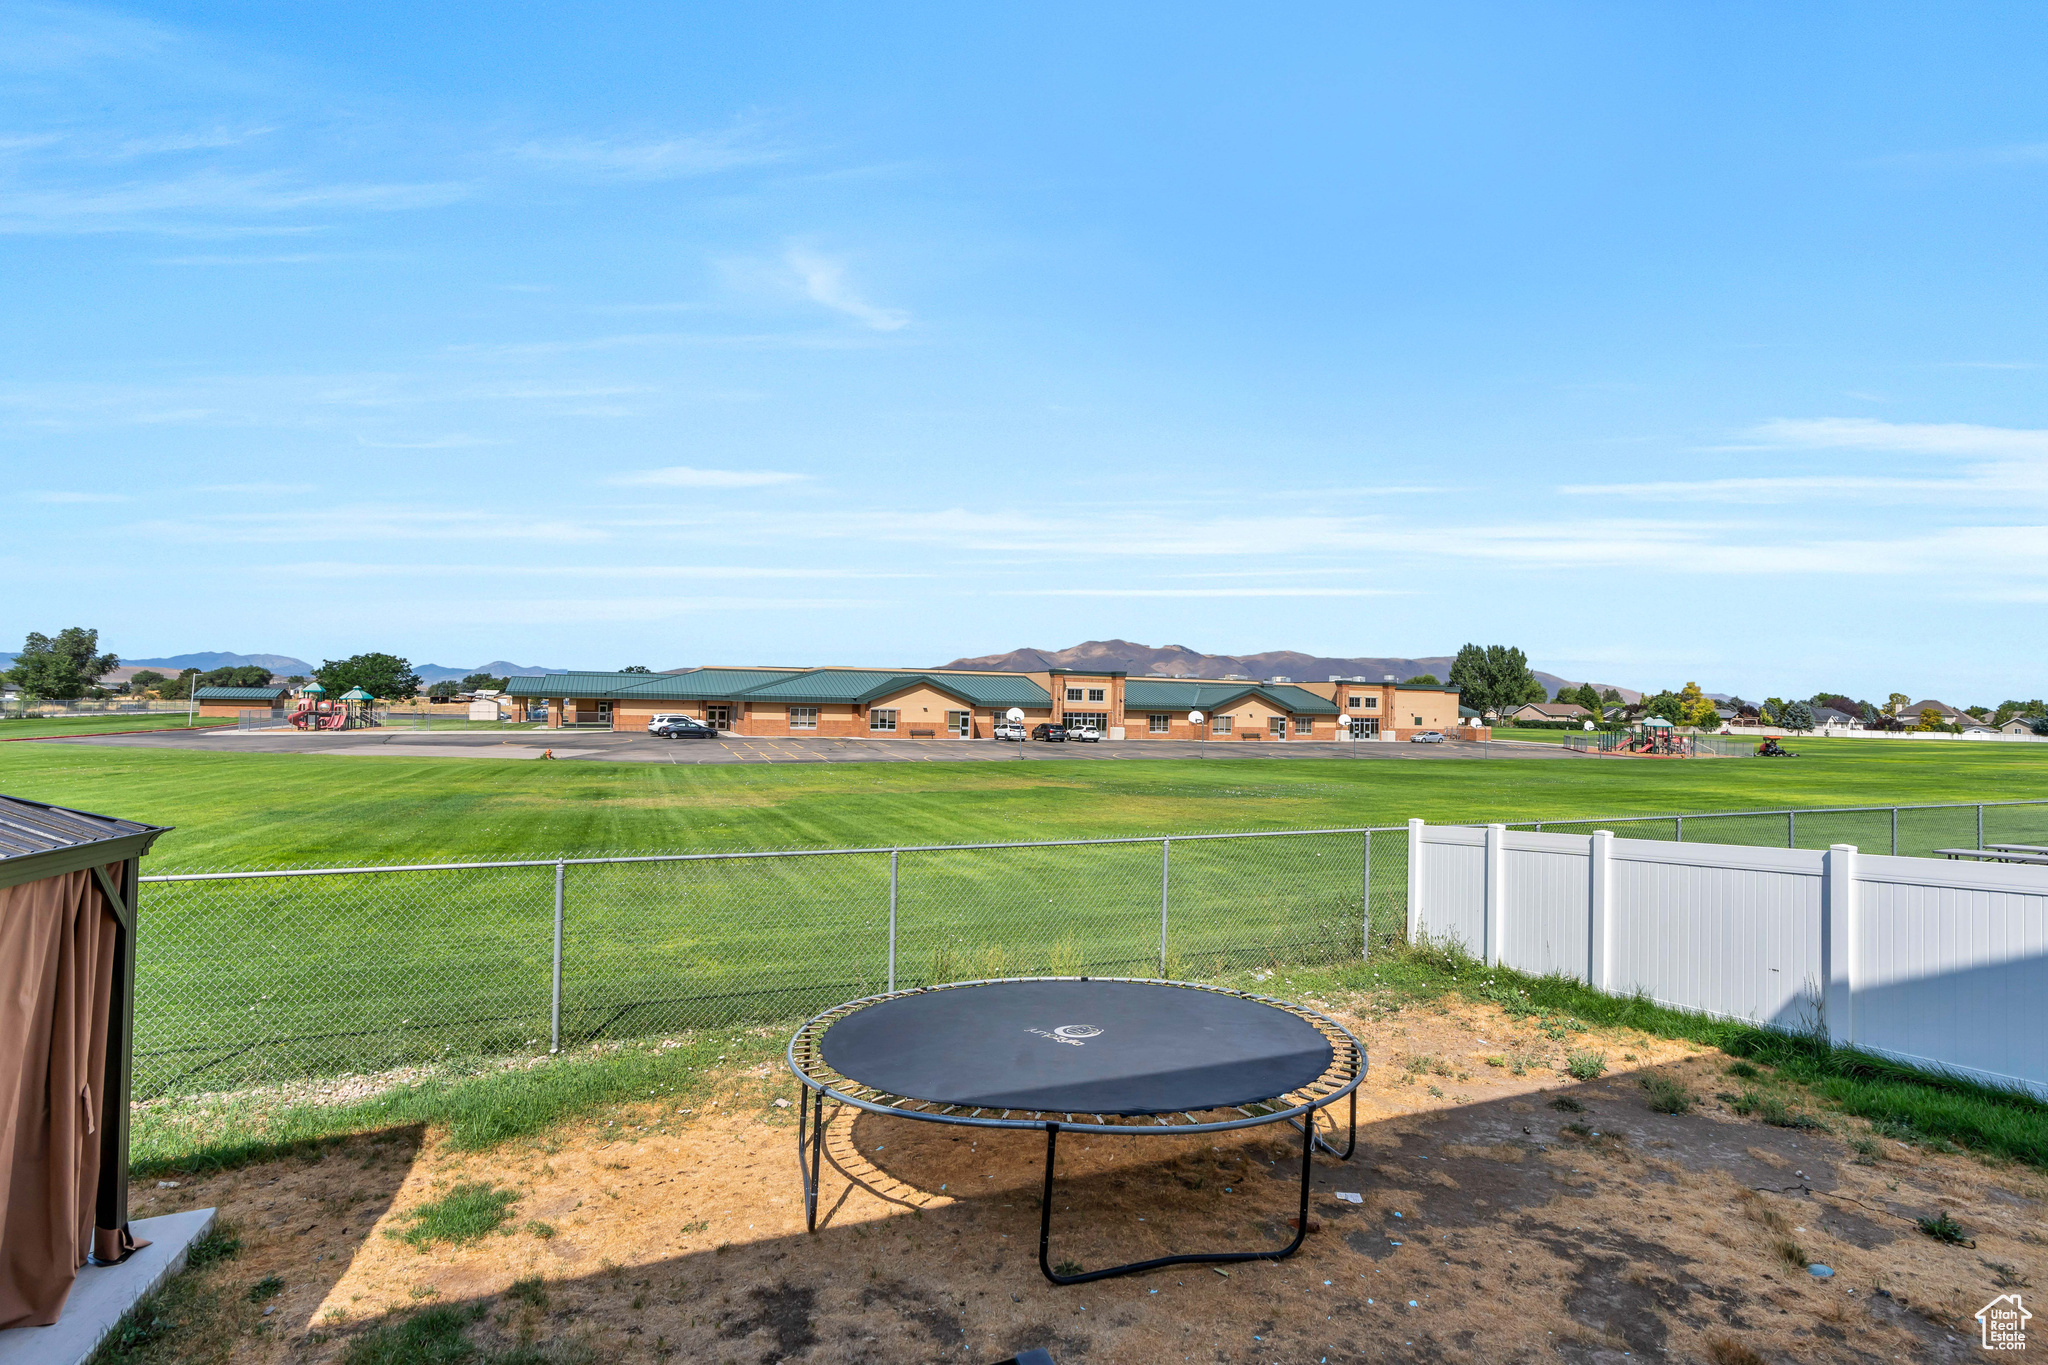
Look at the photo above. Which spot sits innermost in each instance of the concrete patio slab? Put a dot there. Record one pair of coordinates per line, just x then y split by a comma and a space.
103, 1293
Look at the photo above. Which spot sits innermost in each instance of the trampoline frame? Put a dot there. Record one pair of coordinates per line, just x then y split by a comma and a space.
1341, 1079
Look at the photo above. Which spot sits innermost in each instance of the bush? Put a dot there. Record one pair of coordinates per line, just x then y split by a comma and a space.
1585, 1066
1667, 1096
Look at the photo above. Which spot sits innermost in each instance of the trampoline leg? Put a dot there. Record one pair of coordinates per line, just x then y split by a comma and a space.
1052, 1130
809, 1174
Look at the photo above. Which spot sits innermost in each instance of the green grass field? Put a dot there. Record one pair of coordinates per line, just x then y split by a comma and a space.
259, 810
38, 728
247, 981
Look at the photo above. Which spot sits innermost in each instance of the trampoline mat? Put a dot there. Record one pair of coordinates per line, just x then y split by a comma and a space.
1095, 1047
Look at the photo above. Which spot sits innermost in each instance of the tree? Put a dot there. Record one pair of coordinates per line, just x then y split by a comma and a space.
1696, 707
1930, 719
1425, 680
2040, 725
643, 668
247, 675
60, 669
444, 689
1494, 678
381, 675
1666, 705
1797, 716
483, 682
145, 680
1897, 703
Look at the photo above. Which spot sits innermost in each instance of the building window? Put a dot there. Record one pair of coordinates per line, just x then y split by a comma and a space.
1418, 720
1158, 725
881, 722
960, 722
1304, 727
1220, 725
1073, 694
1098, 719
1372, 703
1277, 726
1095, 694
1354, 702
803, 717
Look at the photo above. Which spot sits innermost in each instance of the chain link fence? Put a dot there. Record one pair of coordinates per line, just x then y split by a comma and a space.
258, 977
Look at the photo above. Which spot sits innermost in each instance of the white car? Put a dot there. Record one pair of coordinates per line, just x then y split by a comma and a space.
1086, 734
656, 722
1009, 729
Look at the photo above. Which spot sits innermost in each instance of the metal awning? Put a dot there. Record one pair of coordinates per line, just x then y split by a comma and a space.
38, 840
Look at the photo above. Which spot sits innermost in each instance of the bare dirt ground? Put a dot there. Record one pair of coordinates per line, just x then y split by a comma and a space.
1495, 1226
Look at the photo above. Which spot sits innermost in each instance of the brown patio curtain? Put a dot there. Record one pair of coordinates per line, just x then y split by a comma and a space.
57, 941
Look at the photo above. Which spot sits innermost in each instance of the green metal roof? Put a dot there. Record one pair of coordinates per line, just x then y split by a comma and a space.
699, 684
239, 693
356, 694
1189, 694
847, 686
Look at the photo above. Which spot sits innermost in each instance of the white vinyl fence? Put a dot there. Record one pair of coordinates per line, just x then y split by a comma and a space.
1939, 963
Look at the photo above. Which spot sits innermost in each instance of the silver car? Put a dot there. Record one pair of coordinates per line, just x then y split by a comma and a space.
1426, 737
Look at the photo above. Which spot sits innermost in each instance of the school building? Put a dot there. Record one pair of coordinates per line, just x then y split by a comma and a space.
946, 703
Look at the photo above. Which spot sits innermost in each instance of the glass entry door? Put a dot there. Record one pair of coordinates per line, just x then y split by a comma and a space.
718, 717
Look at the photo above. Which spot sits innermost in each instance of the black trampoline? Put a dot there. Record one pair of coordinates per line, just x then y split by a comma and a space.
1079, 1054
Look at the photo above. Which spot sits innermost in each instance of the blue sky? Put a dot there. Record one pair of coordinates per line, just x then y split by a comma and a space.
1670, 344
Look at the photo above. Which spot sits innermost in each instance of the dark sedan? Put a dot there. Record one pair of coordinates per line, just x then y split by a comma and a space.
682, 727
1055, 734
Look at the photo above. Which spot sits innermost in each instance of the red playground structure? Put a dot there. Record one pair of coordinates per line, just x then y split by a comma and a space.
351, 711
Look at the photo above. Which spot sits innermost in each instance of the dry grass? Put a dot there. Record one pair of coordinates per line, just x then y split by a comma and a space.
1489, 1229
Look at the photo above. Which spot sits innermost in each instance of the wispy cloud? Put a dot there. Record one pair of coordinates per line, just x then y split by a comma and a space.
58, 495
668, 158
453, 441
1200, 592
1791, 488
824, 282
1920, 438
185, 202
683, 476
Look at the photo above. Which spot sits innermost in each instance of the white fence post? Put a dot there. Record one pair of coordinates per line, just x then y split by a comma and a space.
1600, 911
1838, 943
1496, 889
1414, 882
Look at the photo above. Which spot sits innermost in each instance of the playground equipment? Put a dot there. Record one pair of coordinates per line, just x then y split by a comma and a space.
350, 711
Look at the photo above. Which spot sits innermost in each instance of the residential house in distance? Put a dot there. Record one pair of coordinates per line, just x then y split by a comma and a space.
2018, 725
1545, 710
964, 704
1828, 720
1950, 715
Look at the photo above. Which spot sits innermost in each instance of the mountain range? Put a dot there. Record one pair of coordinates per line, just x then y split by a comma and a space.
285, 666
1178, 661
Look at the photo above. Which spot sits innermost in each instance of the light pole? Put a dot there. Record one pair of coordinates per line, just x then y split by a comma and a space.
191, 696
1195, 718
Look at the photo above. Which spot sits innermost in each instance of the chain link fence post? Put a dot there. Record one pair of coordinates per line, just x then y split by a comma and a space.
1895, 831
555, 1005
1980, 827
1165, 865
1365, 901
1678, 829
1791, 829
892, 917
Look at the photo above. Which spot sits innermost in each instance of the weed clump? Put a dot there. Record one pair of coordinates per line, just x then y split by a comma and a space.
1585, 1066
1943, 1228
470, 1210
1667, 1096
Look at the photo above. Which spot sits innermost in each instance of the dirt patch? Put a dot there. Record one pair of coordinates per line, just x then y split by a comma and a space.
1494, 1224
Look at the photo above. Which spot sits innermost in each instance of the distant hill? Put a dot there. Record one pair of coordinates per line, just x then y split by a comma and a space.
496, 668
284, 665
1178, 661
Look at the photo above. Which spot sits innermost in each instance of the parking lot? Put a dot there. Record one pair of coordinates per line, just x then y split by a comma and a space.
618, 747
